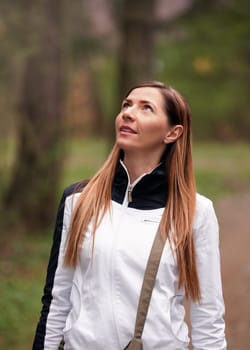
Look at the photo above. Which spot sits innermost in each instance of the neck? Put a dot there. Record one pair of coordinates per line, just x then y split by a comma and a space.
138, 166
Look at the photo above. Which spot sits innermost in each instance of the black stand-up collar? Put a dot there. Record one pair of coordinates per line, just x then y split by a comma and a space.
149, 193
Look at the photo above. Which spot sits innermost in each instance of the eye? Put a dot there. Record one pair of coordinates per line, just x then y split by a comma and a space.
125, 105
148, 108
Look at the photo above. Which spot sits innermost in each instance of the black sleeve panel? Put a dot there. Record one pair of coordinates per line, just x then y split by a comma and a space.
38, 343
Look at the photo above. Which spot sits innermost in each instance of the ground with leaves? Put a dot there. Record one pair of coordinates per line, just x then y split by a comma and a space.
234, 218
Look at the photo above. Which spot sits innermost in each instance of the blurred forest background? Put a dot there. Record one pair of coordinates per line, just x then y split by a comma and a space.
64, 67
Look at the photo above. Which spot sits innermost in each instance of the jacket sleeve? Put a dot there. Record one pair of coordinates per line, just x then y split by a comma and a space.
56, 297
207, 316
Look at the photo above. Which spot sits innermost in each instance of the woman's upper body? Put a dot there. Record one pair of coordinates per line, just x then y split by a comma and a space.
94, 306
104, 234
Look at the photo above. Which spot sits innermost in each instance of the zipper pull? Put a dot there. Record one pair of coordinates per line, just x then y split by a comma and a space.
130, 194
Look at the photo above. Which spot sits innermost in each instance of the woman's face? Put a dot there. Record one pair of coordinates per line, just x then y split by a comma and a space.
142, 125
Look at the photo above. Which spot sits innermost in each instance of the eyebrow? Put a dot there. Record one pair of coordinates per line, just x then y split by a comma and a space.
140, 101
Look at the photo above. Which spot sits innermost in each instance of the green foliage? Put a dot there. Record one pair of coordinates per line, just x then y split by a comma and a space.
7, 154
19, 313
222, 169
205, 55
84, 156
105, 68
23, 266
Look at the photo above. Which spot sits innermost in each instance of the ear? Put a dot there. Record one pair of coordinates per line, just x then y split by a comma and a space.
173, 134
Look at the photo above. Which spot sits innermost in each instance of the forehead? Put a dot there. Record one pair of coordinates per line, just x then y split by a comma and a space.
149, 94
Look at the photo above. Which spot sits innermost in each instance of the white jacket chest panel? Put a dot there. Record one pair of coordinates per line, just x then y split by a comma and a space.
106, 287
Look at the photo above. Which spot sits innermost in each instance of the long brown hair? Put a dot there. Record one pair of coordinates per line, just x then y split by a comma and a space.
177, 219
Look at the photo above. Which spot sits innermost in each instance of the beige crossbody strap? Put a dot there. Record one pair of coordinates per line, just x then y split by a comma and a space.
146, 290
148, 283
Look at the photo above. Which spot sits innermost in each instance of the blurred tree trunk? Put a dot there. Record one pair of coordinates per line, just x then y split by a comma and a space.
32, 192
136, 53
137, 43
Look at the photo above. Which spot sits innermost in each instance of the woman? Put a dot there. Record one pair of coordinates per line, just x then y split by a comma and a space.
105, 230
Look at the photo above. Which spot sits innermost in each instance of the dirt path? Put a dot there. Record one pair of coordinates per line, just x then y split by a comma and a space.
234, 219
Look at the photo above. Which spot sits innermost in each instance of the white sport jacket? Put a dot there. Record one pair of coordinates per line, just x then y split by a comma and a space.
94, 306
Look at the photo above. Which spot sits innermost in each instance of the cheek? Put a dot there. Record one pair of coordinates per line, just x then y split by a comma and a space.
158, 128
117, 121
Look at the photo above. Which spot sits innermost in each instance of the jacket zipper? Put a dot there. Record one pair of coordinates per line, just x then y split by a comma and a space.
131, 186
130, 189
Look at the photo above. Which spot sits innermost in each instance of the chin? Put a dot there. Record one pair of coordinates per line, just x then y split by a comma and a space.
125, 145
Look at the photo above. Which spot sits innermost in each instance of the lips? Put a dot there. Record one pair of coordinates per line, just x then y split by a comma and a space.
127, 129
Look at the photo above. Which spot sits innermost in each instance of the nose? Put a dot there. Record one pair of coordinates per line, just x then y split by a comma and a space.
129, 114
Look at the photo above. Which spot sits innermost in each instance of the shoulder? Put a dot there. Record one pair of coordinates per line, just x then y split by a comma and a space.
205, 226
69, 199
204, 210
74, 188
202, 202
70, 195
